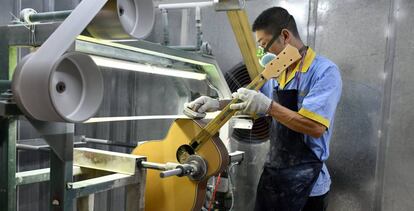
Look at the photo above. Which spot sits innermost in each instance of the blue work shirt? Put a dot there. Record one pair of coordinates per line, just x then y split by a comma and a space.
319, 87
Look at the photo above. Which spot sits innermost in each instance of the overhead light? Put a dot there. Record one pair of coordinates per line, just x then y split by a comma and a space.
146, 68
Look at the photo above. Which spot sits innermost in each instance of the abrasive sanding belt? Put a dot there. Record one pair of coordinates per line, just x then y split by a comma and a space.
32, 78
54, 85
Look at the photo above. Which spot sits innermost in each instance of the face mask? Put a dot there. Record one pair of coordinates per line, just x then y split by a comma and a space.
266, 59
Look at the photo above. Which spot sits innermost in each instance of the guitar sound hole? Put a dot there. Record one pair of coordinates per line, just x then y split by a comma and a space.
183, 152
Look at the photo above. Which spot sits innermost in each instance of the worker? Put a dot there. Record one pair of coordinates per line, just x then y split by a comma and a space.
302, 102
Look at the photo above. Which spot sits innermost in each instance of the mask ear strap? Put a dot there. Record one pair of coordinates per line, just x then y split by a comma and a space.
266, 49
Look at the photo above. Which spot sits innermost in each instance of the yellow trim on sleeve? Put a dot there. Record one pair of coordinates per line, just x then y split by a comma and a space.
314, 116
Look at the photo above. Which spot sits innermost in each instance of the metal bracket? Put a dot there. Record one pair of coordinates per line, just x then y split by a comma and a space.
8, 108
39, 175
59, 136
226, 5
103, 183
242, 123
7, 105
236, 157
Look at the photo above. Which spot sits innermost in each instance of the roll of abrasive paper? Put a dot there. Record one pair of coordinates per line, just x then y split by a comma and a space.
54, 84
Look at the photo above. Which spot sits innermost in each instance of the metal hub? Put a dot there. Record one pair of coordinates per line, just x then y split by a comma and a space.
199, 167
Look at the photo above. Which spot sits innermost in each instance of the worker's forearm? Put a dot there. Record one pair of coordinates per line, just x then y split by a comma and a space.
295, 121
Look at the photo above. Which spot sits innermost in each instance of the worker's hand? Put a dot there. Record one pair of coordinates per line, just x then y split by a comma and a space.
253, 102
203, 104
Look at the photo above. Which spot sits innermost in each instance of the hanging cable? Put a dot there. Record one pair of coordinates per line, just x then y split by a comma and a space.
213, 197
231, 188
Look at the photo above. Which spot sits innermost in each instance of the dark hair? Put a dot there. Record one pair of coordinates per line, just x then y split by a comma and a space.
273, 20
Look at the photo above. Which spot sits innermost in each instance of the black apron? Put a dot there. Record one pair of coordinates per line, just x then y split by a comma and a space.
291, 168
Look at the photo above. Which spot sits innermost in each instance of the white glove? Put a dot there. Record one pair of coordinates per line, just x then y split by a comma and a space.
203, 104
253, 102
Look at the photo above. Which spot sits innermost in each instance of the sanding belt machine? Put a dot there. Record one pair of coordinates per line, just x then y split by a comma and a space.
57, 85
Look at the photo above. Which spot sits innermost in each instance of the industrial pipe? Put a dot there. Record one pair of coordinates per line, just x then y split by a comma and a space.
169, 173
33, 147
29, 15
166, 34
107, 142
158, 166
199, 34
49, 16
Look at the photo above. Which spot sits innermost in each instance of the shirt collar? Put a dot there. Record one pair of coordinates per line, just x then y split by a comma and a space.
310, 56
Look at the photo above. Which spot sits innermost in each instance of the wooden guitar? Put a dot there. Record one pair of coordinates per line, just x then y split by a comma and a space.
188, 137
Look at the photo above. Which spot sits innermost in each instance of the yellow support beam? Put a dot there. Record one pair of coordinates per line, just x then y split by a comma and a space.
244, 36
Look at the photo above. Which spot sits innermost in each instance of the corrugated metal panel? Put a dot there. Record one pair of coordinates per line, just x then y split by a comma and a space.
346, 33
398, 188
5, 9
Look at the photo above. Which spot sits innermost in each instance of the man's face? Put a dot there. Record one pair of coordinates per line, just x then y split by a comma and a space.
263, 38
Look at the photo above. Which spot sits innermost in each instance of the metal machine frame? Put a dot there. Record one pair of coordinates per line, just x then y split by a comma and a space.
63, 190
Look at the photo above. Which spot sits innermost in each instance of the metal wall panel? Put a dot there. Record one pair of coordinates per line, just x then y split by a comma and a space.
5, 10
398, 188
346, 33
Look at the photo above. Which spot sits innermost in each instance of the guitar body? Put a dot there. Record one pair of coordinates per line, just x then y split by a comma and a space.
180, 193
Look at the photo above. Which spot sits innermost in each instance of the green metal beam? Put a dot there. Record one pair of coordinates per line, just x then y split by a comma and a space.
4, 50
8, 163
8, 132
12, 60
39, 175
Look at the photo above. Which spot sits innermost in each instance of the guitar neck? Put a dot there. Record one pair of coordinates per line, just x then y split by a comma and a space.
273, 69
214, 125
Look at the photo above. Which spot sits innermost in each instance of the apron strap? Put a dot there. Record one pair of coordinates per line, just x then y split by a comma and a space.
303, 51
